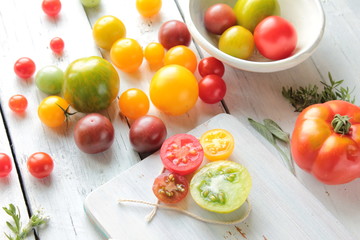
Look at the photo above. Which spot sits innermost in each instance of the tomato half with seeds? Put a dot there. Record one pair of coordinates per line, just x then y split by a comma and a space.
182, 153
221, 186
170, 187
218, 144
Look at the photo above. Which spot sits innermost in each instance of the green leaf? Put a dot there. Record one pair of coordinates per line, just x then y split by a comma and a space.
262, 130
276, 130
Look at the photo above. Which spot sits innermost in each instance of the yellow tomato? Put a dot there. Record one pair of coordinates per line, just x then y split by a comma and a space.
107, 30
126, 54
52, 111
134, 103
174, 89
218, 144
148, 8
154, 53
181, 55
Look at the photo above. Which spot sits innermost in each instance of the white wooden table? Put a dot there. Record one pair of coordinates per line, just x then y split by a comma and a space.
26, 31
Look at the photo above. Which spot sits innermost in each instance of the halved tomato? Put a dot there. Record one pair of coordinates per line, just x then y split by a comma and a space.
218, 144
182, 153
170, 187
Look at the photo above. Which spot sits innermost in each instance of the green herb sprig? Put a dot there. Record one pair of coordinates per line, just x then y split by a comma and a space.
303, 97
16, 228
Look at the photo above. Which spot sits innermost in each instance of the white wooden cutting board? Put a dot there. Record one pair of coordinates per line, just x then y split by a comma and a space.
282, 208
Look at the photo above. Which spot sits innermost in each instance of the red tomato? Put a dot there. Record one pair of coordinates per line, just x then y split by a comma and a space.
219, 17
57, 45
24, 67
182, 153
18, 103
170, 187
51, 7
40, 164
5, 165
211, 65
173, 33
275, 38
212, 89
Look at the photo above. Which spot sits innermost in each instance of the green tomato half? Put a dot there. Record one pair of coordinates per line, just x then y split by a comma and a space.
221, 186
50, 79
91, 84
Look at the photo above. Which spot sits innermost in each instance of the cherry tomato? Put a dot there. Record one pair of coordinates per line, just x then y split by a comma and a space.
90, 3
40, 164
52, 111
126, 54
134, 103
211, 65
18, 103
57, 45
219, 17
5, 165
51, 7
182, 153
50, 79
94, 133
24, 67
181, 55
218, 144
212, 89
173, 33
147, 134
170, 188
107, 30
275, 38
174, 89
148, 8
154, 53
238, 42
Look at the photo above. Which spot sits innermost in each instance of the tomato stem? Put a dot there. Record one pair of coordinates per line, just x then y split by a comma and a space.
341, 124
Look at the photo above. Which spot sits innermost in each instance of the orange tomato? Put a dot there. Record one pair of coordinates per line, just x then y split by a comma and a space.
181, 55
126, 54
134, 103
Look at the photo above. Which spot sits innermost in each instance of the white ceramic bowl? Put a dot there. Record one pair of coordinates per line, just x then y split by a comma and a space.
307, 16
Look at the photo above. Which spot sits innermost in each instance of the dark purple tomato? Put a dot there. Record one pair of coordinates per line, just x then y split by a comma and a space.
219, 17
94, 133
173, 33
211, 65
212, 89
147, 134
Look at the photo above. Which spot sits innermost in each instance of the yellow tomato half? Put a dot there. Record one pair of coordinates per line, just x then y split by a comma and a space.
218, 144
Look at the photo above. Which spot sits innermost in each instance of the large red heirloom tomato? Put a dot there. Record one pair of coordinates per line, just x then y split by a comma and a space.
326, 141
90, 84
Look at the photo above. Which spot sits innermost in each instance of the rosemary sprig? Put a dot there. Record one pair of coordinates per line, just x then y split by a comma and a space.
303, 97
16, 228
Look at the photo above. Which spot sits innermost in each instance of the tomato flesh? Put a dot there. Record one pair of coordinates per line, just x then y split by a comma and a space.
218, 144
170, 187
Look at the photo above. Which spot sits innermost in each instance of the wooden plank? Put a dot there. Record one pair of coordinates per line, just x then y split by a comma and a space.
277, 210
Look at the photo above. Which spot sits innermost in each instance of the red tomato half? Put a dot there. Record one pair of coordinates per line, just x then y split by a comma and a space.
182, 153
275, 38
170, 187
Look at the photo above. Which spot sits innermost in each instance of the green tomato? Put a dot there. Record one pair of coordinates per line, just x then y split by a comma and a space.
221, 186
90, 3
91, 84
250, 12
50, 79
238, 42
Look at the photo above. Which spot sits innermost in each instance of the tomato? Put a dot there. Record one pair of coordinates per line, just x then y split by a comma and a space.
275, 38
219, 17
90, 3
250, 12
212, 89
173, 33
170, 188
18, 103
53, 111
181, 55
50, 79
51, 7
147, 134
182, 153
154, 53
126, 54
148, 8
94, 133
238, 42
24, 67
5, 165
211, 65
326, 141
107, 30
40, 164
221, 186
134, 103
57, 45
218, 144
91, 84
174, 89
